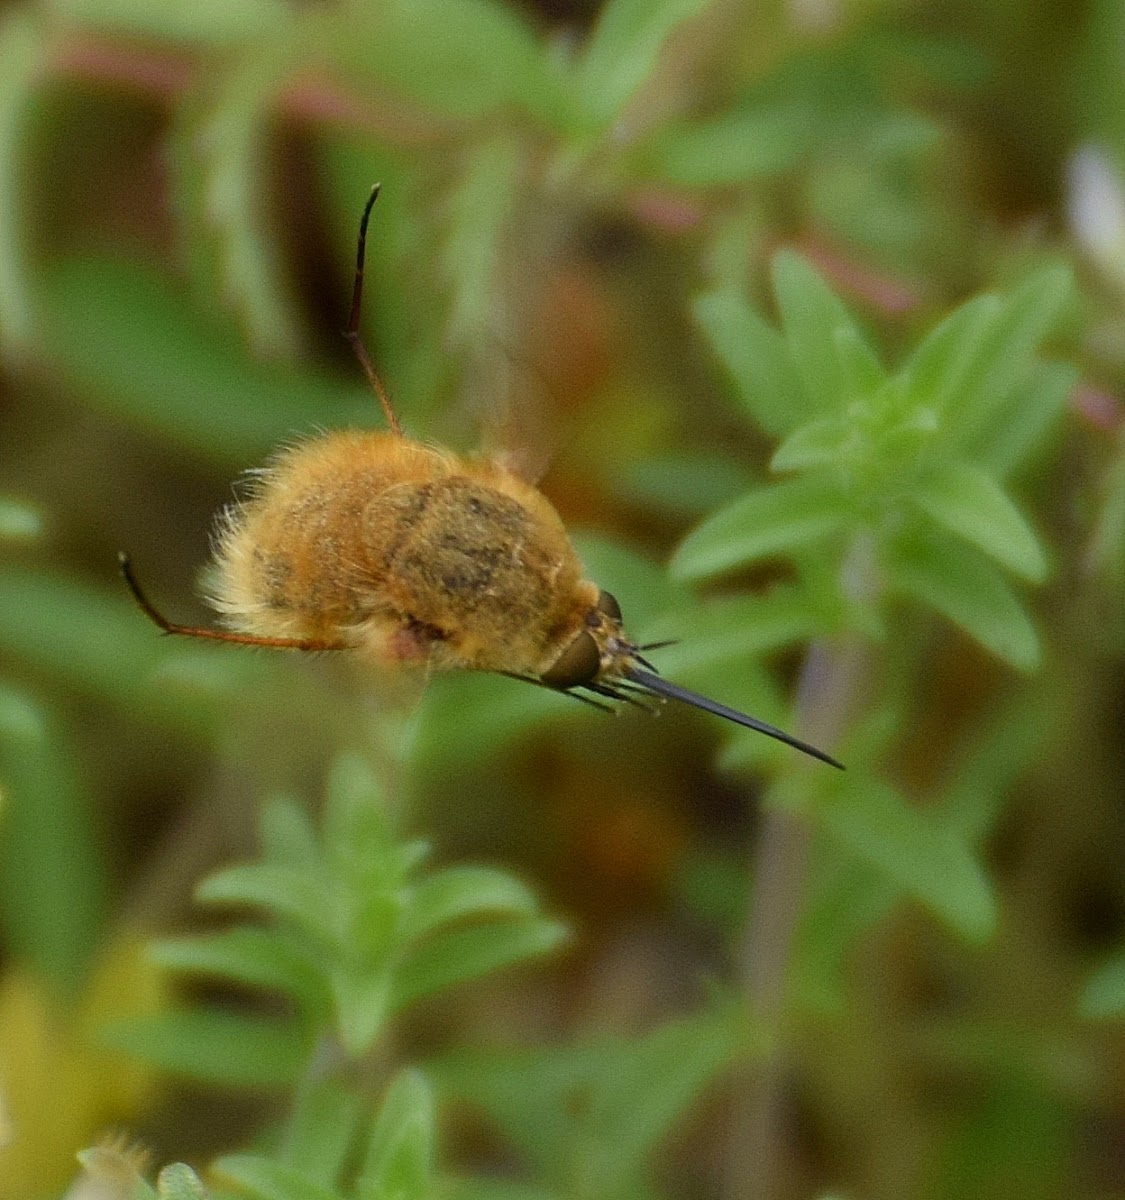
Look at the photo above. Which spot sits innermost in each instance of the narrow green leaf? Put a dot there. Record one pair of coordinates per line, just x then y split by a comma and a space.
941, 360
131, 343
480, 211
266, 1179
911, 850
1103, 997
399, 1158
53, 872
320, 1134
460, 892
287, 834
817, 443
258, 958
463, 58
24, 51
1005, 353
757, 360
284, 891
216, 1047
1026, 420
684, 485
767, 521
361, 996
356, 823
645, 1085
217, 146
967, 589
969, 502
624, 50
814, 321
738, 147
738, 628
861, 372
460, 955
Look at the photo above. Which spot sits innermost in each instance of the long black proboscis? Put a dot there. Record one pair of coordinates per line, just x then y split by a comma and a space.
672, 691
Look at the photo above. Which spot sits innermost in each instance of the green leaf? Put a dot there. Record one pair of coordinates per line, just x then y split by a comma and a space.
356, 824
258, 958
969, 590
459, 892
481, 209
203, 23
1004, 354
757, 360
624, 50
460, 955
942, 359
911, 850
287, 834
816, 325
817, 443
24, 51
861, 372
217, 147
683, 485
1026, 420
968, 501
1103, 997
361, 998
399, 1158
320, 1135
265, 1179
738, 629
767, 521
735, 148
53, 872
129, 341
216, 1047
645, 1085
290, 892
464, 58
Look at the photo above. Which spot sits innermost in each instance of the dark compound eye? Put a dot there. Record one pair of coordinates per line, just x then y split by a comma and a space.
578, 664
607, 604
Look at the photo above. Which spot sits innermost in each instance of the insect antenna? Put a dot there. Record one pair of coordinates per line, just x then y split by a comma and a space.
352, 333
559, 691
662, 687
617, 693
213, 635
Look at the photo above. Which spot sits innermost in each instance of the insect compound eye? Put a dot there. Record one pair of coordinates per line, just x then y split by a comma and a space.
576, 665
607, 604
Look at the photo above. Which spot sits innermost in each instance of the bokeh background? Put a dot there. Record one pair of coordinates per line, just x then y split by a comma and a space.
180, 185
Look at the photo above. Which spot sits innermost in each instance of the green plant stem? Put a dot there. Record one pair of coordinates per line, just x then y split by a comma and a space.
830, 688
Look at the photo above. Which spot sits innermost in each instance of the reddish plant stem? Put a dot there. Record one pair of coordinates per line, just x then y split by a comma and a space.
831, 685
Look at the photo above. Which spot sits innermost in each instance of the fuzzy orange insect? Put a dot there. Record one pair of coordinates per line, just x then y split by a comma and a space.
368, 541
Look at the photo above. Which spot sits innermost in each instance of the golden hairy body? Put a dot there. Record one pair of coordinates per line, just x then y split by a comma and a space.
374, 543
405, 552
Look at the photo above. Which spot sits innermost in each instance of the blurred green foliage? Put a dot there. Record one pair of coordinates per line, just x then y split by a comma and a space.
814, 312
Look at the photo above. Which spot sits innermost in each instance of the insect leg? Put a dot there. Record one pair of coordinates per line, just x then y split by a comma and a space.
214, 635
352, 333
